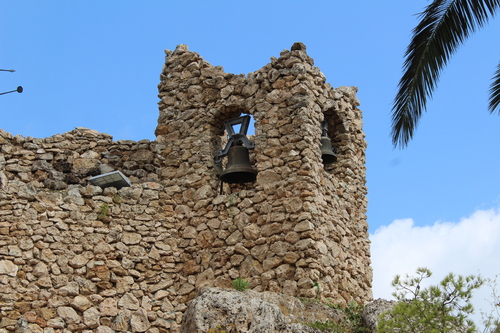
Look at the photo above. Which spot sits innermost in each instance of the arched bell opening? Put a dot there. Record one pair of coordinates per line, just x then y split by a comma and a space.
330, 141
233, 157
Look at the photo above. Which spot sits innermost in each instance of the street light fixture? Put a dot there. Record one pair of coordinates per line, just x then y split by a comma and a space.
19, 89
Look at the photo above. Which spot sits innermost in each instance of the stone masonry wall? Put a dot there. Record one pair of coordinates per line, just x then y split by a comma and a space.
74, 257
300, 223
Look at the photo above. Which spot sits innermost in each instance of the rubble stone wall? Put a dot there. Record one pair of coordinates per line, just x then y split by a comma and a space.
74, 257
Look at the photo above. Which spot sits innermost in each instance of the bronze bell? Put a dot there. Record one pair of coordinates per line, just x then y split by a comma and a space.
238, 169
328, 154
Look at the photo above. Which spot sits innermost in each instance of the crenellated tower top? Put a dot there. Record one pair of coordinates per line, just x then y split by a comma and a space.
301, 223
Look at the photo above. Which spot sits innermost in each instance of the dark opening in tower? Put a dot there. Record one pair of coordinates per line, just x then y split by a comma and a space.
232, 160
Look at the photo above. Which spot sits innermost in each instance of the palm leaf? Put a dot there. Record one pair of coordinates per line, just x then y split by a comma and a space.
495, 92
444, 26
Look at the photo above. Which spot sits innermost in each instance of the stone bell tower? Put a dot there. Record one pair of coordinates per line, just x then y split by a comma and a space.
300, 228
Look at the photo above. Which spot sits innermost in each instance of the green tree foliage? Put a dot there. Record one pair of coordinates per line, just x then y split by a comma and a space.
444, 26
436, 309
491, 320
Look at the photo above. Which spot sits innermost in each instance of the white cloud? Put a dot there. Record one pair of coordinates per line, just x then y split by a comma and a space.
471, 246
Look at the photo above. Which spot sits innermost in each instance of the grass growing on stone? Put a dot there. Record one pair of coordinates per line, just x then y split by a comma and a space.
351, 321
240, 284
117, 198
104, 211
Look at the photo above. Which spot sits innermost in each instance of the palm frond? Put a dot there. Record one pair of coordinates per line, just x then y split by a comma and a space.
444, 26
495, 92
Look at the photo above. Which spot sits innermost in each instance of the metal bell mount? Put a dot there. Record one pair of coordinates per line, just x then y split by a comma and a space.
238, 169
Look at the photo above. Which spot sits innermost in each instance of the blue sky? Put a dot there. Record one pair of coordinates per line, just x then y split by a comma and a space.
97, 64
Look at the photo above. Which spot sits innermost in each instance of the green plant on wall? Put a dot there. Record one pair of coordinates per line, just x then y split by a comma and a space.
103, 211
240, 284
117, 198
351, 320
318, 289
